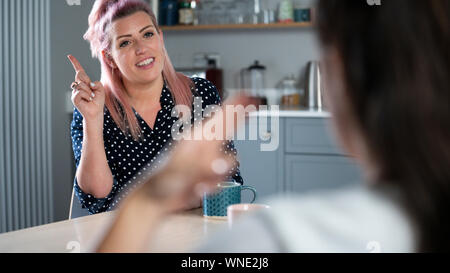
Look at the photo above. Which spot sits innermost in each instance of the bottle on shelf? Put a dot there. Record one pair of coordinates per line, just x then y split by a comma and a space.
215, 75
168, 13
302, 11
186, 13
195, 9
286, 11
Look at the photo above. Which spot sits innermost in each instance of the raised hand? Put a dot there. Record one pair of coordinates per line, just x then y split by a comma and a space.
87, 96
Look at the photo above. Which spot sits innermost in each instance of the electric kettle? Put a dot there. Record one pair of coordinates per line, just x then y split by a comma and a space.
314, 87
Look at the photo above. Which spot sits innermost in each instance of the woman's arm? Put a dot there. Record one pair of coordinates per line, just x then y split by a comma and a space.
93, 174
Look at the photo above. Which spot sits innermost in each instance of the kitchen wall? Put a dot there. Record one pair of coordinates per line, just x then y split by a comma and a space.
281, 51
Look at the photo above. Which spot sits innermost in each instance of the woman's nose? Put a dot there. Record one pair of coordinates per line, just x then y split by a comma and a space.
140, 48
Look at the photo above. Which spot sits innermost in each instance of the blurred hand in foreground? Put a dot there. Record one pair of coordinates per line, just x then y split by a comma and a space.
194, 167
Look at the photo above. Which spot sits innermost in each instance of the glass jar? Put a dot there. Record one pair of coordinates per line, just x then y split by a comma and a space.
302, 12
286, 11
290, 93
186, 13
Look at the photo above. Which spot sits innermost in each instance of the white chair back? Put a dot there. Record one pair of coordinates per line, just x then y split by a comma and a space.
76, 210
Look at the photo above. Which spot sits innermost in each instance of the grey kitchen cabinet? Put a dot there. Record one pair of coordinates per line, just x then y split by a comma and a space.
316, 172
307, 159
310, 136
261, 169
313, 160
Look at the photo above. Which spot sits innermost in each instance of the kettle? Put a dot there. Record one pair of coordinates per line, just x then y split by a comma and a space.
253, 81
314, 87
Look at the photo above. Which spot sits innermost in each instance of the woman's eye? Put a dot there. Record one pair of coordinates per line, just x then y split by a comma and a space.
146, 35
124, 43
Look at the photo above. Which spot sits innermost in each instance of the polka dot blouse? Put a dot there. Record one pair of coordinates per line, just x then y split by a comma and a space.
128, 159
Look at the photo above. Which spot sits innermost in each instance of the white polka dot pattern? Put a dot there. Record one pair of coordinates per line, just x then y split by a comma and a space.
132, 161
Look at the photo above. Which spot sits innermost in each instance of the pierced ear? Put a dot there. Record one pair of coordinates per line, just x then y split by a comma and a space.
109, 59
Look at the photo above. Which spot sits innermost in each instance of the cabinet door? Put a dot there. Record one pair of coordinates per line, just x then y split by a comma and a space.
261, 169
315, 172
258, 169
311, 136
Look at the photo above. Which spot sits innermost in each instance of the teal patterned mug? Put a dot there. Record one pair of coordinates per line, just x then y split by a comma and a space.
228, 193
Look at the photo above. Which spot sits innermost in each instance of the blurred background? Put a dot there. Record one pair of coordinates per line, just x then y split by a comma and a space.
268, 47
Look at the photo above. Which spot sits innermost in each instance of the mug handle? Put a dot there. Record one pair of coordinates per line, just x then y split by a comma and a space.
252, 189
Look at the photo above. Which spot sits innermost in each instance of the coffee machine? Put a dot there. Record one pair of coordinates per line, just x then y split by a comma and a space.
253, 81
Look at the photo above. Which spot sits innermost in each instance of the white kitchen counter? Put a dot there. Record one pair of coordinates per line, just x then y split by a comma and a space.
285, 113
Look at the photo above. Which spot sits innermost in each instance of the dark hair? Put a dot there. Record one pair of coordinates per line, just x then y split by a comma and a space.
396, 66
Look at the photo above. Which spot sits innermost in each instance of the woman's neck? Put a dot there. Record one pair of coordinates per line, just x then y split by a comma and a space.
144, 95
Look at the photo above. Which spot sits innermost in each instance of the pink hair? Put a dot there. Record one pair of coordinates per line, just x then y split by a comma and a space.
103, 14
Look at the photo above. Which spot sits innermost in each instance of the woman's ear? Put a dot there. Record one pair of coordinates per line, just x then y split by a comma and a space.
109, 59
161, 36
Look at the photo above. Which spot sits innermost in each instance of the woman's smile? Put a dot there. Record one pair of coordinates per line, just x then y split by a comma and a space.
146, 63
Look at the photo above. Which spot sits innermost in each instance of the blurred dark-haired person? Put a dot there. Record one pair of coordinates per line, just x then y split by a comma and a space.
387, 86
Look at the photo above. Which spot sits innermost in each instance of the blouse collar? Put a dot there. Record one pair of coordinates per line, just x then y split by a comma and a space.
166, 99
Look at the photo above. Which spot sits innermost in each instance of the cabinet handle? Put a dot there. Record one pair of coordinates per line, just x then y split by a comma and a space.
266, 136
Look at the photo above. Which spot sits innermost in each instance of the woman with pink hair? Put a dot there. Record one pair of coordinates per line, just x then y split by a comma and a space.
123, 123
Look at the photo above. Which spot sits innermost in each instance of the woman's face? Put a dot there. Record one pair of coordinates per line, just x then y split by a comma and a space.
137, 48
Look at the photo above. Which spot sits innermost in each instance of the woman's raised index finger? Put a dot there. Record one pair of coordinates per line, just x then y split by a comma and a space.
76, 65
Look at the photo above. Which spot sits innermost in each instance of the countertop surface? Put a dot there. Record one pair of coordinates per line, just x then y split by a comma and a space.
179, 233
292, 113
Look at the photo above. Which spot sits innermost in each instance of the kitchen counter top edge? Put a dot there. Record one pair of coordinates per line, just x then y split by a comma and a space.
292, 113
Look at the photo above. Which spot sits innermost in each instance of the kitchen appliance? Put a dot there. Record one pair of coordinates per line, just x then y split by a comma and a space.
253, 81
314, 86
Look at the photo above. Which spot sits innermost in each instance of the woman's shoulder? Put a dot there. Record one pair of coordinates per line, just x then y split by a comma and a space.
206, 90
202, 82
349, 220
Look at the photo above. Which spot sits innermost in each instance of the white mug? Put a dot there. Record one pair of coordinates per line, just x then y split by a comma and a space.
240, 210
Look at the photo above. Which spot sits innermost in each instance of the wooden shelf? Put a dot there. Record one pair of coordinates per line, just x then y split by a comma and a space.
237, 26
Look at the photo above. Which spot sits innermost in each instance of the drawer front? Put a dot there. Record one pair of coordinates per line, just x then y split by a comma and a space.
310, 136
312, 172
